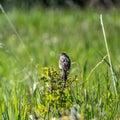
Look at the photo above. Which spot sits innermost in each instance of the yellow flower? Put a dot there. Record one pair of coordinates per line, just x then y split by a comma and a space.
42, 76
48, 96
46, 70
108, 94
76, 79
42, 108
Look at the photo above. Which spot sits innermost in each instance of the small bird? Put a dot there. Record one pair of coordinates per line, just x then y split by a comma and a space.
64, 65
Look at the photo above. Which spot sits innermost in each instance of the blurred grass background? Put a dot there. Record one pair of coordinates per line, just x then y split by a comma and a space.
76, 32
45, 33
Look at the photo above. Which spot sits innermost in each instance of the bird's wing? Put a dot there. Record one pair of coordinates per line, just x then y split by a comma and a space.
65, 63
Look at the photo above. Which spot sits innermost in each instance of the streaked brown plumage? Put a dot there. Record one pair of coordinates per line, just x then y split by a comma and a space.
64, 65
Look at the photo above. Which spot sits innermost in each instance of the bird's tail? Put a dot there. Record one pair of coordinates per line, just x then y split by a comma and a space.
64, 75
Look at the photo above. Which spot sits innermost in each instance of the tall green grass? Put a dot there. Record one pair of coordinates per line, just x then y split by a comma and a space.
45, 34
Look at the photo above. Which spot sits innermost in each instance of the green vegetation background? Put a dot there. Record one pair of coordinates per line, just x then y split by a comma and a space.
45, 33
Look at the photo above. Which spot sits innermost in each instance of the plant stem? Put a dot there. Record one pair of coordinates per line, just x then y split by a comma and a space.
108, 54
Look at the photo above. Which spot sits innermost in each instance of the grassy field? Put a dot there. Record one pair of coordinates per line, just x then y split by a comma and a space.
29, 63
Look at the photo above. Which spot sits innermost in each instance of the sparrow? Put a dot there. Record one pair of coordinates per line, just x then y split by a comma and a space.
64, 65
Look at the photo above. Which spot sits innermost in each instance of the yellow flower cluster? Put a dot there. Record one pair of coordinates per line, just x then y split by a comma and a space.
41, 108
55, 97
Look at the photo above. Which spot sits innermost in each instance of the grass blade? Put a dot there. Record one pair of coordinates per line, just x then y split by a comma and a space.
108, 54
